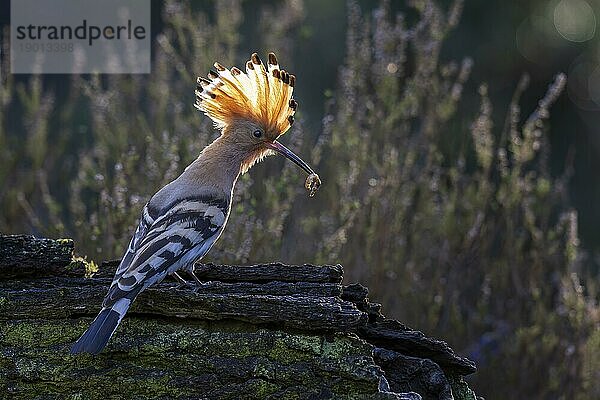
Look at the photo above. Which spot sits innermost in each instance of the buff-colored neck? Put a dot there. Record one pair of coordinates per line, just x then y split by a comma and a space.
218, 165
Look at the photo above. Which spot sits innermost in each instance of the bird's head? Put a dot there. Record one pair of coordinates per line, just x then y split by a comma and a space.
252, 109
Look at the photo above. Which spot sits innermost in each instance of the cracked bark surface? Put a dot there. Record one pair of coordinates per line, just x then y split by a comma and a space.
270, 331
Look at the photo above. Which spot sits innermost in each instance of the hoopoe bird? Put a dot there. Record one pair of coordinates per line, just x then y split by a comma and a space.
182, 221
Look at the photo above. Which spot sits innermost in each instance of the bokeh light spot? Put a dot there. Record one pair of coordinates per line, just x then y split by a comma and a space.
575, 20
594, 85
535, 39
584, 84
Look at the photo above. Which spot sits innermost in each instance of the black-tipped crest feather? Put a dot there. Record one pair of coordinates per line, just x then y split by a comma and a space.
260, 93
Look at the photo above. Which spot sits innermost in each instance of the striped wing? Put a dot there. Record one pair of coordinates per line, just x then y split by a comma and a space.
182, 234
146, 221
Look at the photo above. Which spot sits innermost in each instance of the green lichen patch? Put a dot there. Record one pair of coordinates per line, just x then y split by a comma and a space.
83, 264
460, 389
344, 345
288, 349
36, 333
180, 358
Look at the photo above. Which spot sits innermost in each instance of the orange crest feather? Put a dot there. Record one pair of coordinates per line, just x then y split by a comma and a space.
262, 95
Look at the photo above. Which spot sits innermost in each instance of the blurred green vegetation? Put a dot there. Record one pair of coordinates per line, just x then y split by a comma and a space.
455, 223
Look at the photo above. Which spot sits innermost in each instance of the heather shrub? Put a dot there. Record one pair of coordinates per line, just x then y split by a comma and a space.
474, 239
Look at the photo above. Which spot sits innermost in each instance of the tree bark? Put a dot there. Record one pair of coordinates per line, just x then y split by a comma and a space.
24, 255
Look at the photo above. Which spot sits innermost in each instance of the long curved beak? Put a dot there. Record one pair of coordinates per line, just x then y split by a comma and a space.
281, 149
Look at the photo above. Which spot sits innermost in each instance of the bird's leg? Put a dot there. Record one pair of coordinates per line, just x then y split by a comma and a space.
198, 281
191, 270
182, 282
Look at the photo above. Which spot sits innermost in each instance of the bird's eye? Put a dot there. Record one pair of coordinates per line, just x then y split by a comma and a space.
257, 133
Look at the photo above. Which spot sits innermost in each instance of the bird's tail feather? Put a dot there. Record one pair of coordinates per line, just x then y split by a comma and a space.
102, 328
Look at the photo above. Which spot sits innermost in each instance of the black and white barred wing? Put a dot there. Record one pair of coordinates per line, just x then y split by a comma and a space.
175, 240
146, 221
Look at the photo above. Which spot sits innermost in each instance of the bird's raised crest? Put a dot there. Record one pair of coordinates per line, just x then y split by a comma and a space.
260, 94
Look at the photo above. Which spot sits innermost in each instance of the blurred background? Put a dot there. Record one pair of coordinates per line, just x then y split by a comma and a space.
458, 144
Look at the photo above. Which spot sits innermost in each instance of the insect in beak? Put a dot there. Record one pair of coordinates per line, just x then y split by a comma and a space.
312, 182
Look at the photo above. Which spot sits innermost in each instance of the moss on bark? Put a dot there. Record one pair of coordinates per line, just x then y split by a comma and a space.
150, 358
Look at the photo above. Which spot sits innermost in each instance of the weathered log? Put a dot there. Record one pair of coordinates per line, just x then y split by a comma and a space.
277, 302
394, 335
253, 273
246, 333
270, 272
25, 255
162, 358
413, 374
391, 335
